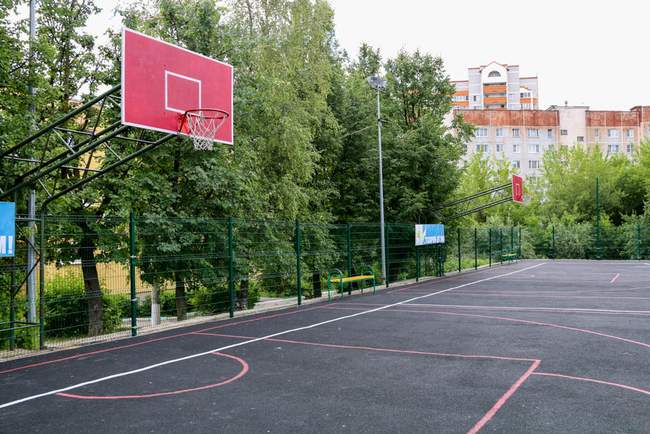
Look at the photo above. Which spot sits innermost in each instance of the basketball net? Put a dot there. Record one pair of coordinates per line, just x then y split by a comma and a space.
202, 126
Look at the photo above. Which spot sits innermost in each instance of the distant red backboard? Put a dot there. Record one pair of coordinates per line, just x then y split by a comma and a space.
160, 81
517, 189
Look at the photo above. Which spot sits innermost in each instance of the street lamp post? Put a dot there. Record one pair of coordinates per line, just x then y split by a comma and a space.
379, 84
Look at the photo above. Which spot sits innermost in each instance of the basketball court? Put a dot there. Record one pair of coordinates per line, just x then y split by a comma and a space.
530, 347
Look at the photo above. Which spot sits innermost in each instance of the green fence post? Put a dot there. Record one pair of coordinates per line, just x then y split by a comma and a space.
490, 247
41, 285
553, 241
512, 239
231, 269
475, 248
519, 244
298, 270
348, 241
638, 241
132, 265
417, 264
386, 238
459, 262
501, 245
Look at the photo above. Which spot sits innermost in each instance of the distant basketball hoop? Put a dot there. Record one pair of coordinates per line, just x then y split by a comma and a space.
202, 126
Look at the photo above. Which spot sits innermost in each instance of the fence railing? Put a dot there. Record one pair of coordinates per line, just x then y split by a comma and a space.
111, 277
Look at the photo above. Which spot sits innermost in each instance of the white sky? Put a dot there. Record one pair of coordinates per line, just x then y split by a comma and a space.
585, 52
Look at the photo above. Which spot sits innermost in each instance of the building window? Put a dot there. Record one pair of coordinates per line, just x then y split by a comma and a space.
499, 147
516, 148
564, 133
580, 139
482, 147
526, 106
516, 164
533, 164
494, 74
630, 148
612, 132
533, 148
474, 98
630, 133
499, 132
612, 148
533, 132
515, 132
549, 133
481, 132
550, 147
465, 148
597, 133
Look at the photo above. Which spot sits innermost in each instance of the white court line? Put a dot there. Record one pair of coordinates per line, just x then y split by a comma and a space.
556, 309
615, 277
239, 344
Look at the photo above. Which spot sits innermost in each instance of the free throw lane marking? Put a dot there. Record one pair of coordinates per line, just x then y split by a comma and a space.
239, 344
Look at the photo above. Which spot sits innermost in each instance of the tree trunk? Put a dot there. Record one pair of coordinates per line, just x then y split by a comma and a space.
181, 304
242, 298
91, 282
316, 284
155, 304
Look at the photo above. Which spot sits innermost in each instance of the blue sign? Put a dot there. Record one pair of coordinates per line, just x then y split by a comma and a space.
7, 229
429, 234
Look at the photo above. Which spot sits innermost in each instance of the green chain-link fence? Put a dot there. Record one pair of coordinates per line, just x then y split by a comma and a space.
112, 277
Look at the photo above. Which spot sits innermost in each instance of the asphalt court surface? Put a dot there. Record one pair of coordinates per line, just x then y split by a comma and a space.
530, 347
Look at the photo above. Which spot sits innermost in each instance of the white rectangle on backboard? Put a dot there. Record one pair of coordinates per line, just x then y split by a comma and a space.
167, 90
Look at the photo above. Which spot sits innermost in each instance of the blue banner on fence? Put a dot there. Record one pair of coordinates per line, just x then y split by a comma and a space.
7, 229
429, 234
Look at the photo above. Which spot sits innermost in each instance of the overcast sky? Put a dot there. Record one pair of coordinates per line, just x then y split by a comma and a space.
584, 52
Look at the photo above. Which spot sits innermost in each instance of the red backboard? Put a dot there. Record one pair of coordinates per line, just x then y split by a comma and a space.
517, 189
160, 81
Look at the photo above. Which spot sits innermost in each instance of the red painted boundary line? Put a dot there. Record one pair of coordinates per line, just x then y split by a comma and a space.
504, 398
242, 372
505, 294
593, 380
522, 308
378, 349
523, 321
148, 341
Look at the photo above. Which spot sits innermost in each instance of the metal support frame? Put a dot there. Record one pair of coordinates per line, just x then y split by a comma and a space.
70, 142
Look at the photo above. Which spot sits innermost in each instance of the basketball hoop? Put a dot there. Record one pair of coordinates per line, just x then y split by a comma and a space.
202, 126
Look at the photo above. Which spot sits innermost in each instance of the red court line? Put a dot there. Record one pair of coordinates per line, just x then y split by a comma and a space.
504, 398
523, 321
484, 420
524, 308
148, 341
241, 373
528, 294
593, 380
378, 349
538, 309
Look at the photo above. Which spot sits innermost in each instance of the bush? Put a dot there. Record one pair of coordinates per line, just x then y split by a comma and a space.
66, 308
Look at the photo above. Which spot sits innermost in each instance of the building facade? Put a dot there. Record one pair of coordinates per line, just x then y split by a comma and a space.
522, 136
496, 86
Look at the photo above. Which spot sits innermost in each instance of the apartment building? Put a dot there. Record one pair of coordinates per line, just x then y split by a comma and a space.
522, 136
496, 86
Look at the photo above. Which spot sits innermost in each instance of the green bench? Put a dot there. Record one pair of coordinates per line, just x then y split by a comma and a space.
337, 278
